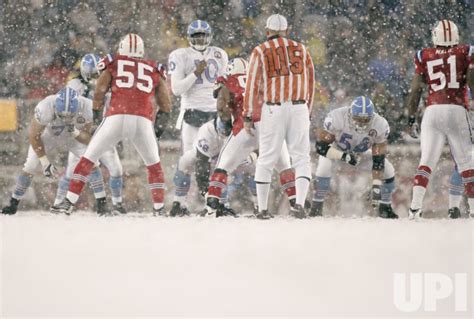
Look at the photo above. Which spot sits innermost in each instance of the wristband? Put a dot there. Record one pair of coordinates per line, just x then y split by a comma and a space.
44, 161
377, 182
75, 133
247, 119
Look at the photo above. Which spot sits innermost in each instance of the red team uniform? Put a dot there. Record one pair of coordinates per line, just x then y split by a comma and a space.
129, 117
443, 69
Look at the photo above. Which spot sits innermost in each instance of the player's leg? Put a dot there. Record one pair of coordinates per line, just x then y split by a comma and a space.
234, 151
23, 182
431, 141
63, 184
272, 130
145, 143
456, 189
386, 191
110, 159
107, 134
458, 132
321, 185
297, 138
182, 177
287, 175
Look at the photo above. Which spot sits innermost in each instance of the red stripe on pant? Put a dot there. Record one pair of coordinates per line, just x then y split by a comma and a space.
83, 168
468, 186
156, 176
286, 177
219, 178
422, 180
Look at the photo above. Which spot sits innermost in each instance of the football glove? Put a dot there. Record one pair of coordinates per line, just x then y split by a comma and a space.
350, 158
49, 170
376, 194
413, 127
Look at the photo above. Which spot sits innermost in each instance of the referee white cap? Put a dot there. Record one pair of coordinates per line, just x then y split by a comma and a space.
277, 22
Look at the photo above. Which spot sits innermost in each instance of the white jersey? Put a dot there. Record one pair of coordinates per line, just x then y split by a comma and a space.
81, 87
45, 115
196, 92
348, 139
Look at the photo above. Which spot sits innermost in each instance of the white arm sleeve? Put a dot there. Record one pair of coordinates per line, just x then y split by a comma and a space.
180, 83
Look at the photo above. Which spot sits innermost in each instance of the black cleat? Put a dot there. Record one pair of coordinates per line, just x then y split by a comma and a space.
177, 210
65, 207
298, 211
225, 211
386, 211
316, 209
12, 208
264, 214
102, 208
454, 213
160, 212
119, 208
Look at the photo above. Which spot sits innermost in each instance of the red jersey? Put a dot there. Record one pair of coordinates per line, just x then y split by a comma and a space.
133, 85
444, 70
235, 83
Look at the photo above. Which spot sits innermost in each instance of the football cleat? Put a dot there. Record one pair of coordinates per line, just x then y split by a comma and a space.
316, 209
12, 208
298, 211
454, 213
177, 210
65, 207
55, 209
101, 207
225, 211
119, 208
160, 212
415, 214
386, 211
264, 214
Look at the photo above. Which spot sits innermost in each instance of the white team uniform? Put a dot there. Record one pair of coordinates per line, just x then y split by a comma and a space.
196, 92
348, 139
56, 135
110, 158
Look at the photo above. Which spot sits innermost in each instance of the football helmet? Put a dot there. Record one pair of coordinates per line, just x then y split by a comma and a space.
237, 66
199, 35
67, 104
132, 46
445, 33
88, 67
361, 113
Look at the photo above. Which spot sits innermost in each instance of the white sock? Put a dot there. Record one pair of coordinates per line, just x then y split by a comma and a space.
470, 202
180, 199
454, 200
262, 196
417, 199
158, 205
302, 186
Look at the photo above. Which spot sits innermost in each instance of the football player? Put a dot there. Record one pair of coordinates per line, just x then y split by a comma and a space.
229, 93
63, 120
448, 70
355, 135
84, 84
193, 71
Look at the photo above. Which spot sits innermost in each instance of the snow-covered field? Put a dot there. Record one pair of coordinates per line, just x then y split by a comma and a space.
86, 266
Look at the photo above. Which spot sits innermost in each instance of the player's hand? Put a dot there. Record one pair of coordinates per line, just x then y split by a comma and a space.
376, 195
350, 158
73, 130
252, 157
50, 171
413, 127
248, 126
200, 67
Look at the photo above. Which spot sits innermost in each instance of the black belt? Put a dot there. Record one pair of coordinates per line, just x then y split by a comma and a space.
293, 102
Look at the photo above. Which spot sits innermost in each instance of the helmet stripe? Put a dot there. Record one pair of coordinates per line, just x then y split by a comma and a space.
135, 43
66, 101
444, 29
449, 29
130, 42
363, 105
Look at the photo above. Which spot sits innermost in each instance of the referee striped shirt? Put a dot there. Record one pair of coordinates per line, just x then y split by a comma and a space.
281, 70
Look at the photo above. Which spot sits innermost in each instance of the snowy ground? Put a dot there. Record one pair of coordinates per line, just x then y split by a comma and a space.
86, 266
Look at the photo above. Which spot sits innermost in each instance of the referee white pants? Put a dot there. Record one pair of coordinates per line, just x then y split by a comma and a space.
279, 123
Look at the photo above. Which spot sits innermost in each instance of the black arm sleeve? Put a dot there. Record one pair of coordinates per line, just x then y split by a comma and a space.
322, 148
161, 122
378, 162
203, 170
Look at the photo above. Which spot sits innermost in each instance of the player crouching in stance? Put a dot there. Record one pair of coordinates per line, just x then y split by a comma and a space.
133, 81
239, 145
447, 69
348, 135
61, 121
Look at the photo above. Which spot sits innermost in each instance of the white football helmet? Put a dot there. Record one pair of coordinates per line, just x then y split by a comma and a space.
445, 33
132, 46
237, 66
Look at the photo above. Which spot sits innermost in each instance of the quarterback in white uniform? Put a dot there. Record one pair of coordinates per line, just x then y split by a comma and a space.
358, 136
193, 71
84, 85
61, 121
